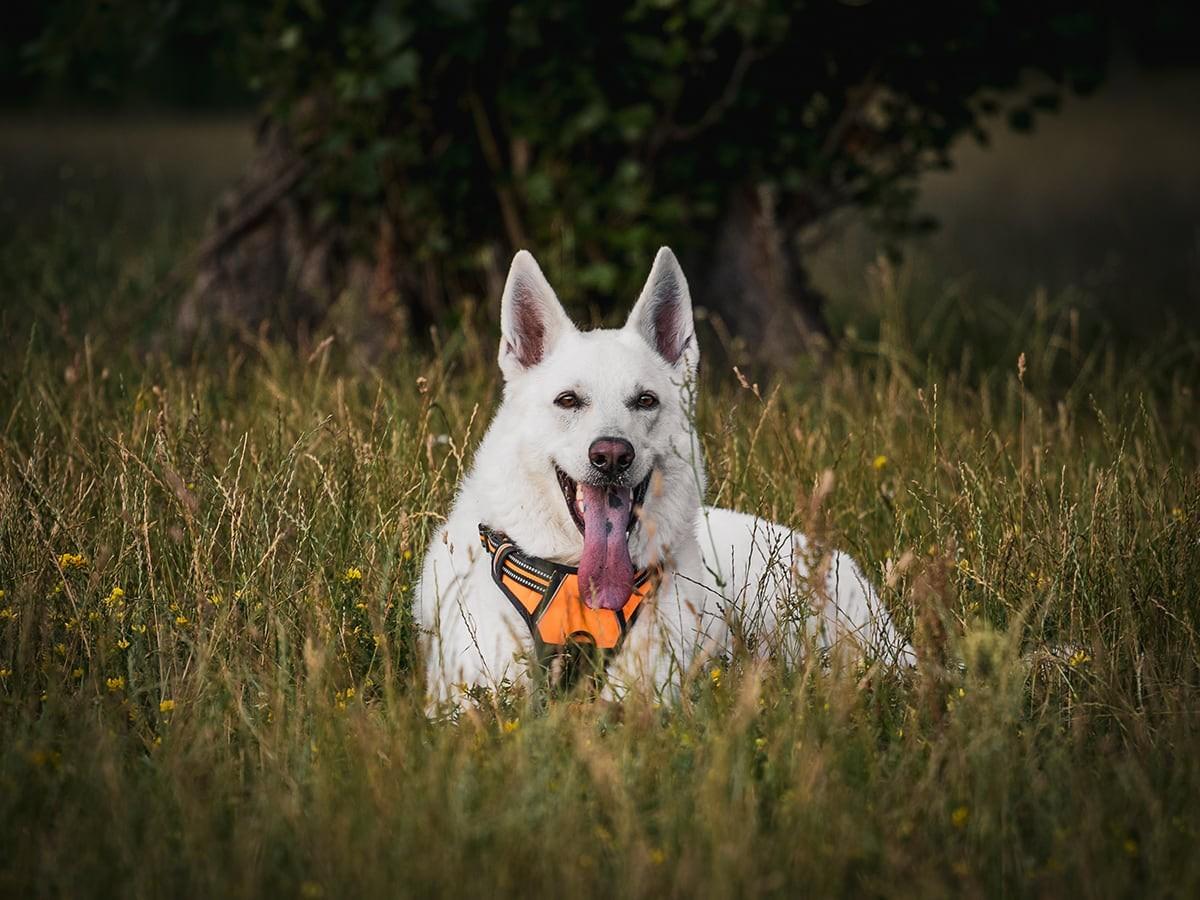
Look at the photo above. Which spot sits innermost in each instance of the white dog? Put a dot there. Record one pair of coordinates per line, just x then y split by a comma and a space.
581, 521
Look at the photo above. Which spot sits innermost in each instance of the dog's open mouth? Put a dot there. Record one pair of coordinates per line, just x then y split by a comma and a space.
573, 493
605, 515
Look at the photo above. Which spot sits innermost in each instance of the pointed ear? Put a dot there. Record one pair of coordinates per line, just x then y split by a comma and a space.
531, 318
663, 313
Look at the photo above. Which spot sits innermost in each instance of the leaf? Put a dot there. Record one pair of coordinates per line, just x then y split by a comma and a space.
539, 189
634, 121
401, 70
389, 32
290, 38
600, 277
589, 118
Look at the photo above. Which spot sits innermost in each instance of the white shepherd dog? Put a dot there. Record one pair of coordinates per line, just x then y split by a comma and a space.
581, 524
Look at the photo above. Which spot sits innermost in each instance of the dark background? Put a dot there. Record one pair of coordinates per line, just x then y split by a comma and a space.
1098, 208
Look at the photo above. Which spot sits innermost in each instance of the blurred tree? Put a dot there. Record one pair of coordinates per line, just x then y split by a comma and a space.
407, 148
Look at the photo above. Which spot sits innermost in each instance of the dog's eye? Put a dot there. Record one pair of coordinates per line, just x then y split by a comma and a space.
647, 400
568, 400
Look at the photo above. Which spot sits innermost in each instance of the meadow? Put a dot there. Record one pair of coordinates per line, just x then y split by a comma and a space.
207, 680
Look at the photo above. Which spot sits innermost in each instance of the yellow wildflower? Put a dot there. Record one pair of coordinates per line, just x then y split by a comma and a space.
72, 561
116, 683
5, 673
166, 706
181, 620
123, 644
715, 675
879, 463
511, 725
407, 555
1079, 658
352, 574
45, 757
216, 599
1176, 514
960, 817
77, 673
7, 613
115, 598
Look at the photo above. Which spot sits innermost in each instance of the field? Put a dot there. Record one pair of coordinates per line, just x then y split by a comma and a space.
206, 657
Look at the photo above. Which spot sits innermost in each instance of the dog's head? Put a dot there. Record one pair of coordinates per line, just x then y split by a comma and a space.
601, 422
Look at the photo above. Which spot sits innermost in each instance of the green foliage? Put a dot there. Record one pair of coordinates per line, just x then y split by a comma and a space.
240, 718
606, 129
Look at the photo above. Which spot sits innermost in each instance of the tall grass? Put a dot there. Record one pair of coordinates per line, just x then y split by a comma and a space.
207, 658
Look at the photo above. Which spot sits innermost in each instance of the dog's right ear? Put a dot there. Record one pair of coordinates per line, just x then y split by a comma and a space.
531, 318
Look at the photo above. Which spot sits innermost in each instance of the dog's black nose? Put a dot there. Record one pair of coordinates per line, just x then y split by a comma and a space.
611, 456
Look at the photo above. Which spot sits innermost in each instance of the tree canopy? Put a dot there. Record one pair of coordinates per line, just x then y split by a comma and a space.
448, 133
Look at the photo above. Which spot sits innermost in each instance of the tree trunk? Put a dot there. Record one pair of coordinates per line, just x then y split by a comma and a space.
758, 286
268, 266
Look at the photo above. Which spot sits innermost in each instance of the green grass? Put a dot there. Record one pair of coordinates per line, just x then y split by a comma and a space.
242, 719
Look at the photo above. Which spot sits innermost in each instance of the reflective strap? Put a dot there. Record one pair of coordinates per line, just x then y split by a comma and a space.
547, 597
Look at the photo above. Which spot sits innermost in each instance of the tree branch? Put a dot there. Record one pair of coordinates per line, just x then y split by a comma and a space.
491, 155
719, 106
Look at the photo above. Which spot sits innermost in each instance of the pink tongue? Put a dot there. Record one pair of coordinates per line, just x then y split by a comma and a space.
605, 569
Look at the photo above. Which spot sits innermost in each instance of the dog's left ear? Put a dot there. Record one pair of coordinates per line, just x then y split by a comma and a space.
663, 313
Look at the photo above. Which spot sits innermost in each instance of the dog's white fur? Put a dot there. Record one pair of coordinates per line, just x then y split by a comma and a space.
720, 566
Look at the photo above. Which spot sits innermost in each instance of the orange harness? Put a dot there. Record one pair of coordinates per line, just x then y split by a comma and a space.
547, 596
